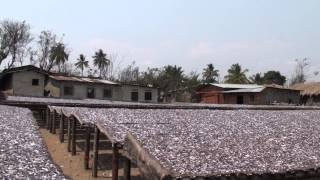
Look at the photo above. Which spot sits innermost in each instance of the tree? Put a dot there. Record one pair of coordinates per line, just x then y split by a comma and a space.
257, 79
129, 74
14, 38
236, 75
274, 77
299, 75
82, 63
191, 81
59, 55
172, 77
45, 43
101, 61
210, 74
150, 77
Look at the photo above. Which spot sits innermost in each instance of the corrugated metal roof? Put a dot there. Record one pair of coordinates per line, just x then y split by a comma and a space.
237, 86
82, 79
255, 90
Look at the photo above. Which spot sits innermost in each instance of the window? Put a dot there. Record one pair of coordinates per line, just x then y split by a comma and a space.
90, 92
107, 93
134, 96
148, 95
68, 90
35, 82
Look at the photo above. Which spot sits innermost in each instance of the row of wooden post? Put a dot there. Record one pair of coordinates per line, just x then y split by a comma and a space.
71, 135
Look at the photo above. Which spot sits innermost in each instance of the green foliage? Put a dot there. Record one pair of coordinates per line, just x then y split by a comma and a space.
236, 75
59, 55
274, 77
257, 79
210, 74
101, 61
82, 63
270, 77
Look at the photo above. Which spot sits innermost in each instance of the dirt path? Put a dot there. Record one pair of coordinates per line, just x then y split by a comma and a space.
72, 166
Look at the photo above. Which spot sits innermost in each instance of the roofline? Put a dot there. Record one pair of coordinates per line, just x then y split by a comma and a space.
85, 82
138, 85
24, 68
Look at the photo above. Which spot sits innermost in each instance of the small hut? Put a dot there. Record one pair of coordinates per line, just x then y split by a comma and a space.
310, 93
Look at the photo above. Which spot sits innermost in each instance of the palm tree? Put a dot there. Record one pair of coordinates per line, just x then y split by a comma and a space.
82, 63
59, 55
257, 79
210, 74
100, 60
236, 75
174, 76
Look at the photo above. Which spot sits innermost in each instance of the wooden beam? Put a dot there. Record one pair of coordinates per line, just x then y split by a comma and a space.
54, 122
50, 122
95, 152
61, 137
69, 133
126, 169
115, 161
73, 142
87, 149
47, 118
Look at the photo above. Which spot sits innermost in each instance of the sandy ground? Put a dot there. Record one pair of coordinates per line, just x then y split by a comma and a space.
72, 166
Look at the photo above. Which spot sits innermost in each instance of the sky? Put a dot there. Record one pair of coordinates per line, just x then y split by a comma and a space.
261, 35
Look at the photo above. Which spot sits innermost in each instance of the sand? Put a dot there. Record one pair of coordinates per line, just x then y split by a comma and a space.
72, 166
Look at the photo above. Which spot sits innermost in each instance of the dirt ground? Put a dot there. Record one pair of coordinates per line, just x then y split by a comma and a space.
72, 166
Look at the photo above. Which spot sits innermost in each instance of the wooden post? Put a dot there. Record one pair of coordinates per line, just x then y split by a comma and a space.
54, 122
73, 142
95, 152
115, 161
87, 149
47, 118
127, 169
62, 128
69, 133
50, 122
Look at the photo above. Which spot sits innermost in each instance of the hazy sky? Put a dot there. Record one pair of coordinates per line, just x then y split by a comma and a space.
259, 34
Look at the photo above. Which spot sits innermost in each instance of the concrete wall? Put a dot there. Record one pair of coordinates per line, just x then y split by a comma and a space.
22, 84
127, 89
80, 90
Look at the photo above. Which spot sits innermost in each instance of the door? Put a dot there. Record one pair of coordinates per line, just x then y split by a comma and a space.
239, 99
134, 96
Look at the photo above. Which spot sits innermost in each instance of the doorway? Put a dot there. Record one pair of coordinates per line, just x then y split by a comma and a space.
134, 96
239, 99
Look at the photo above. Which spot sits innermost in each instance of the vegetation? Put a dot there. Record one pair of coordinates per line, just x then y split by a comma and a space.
236, 75
50, 54
300, 75
101, 61
14, 39
210, 74
82, 63
59, 56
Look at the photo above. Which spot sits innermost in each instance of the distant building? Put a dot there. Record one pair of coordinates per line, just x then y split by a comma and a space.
31, 81
309, 93
23, 81
247, 94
